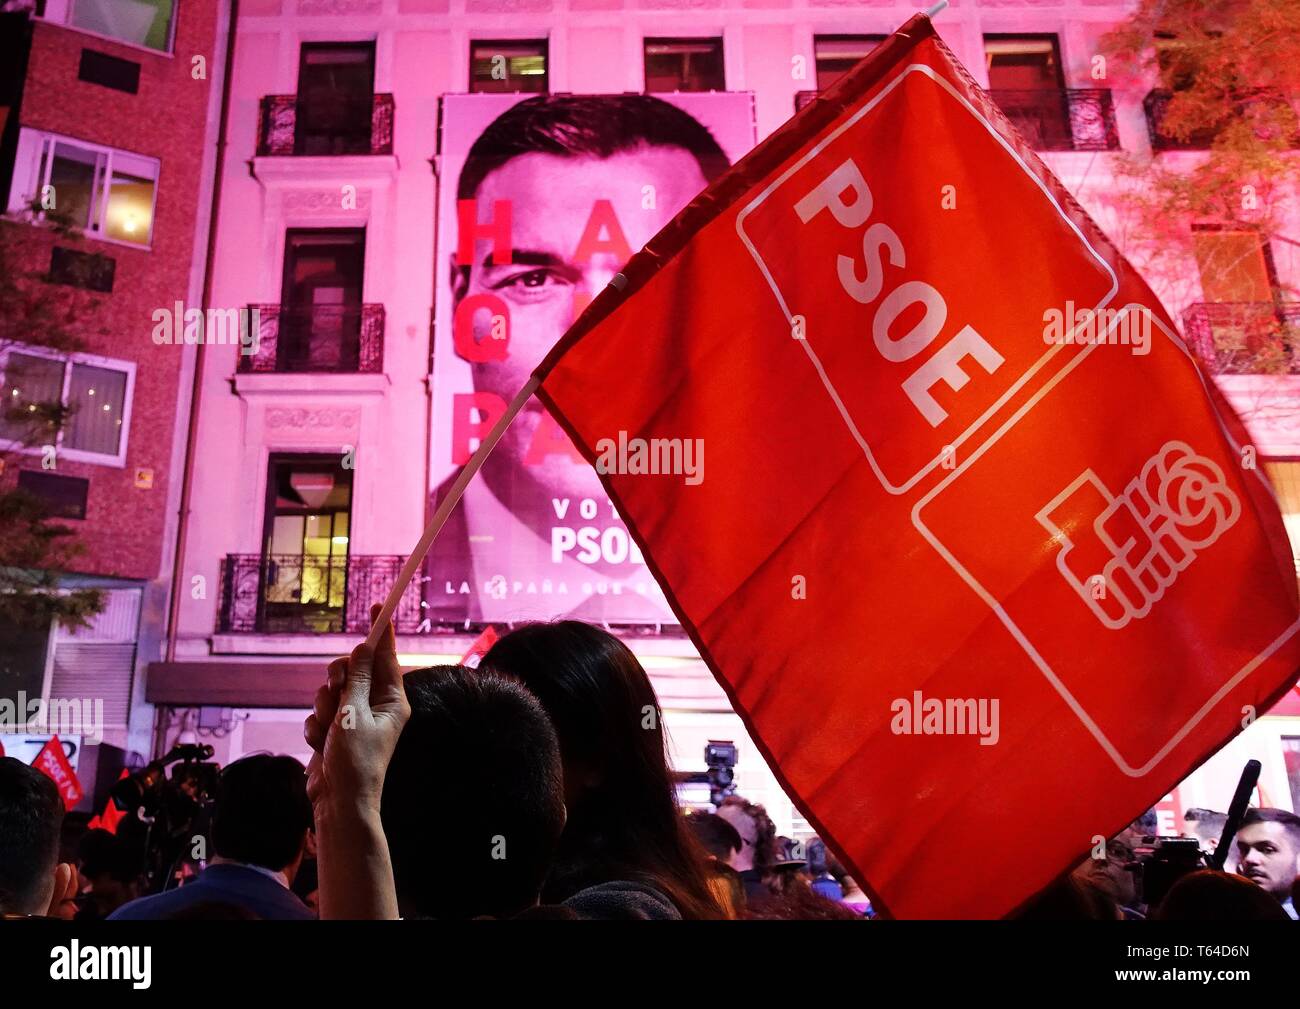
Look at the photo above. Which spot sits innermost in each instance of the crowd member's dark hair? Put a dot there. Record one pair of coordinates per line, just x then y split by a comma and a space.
797, 902
765, 843
473, 800
1267, 814
716, 835
626, 824
1208, 895
262, 811
1209, 820
1068, 899
595, 125
31, 812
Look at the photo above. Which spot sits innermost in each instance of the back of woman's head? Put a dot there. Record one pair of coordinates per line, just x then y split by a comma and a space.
623, 818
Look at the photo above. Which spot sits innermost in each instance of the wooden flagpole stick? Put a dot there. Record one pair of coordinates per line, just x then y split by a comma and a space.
444, 509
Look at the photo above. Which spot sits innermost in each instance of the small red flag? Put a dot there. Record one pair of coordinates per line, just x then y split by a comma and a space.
482, 644
54, 763
111, 816
977, 545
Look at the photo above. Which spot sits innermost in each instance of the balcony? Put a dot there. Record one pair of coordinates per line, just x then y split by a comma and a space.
296, 594
353, 126
1246, 337
317, 338
1270, 112
1062, 119
1059, 119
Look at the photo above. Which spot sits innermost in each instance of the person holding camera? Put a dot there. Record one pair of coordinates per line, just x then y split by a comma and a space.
259, 836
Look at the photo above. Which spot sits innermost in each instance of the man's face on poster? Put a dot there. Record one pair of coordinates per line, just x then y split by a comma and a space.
574, 222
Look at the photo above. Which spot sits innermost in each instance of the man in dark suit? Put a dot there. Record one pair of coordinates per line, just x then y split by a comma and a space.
259, 834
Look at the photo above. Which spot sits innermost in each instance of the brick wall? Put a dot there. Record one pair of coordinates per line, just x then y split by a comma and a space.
123, 529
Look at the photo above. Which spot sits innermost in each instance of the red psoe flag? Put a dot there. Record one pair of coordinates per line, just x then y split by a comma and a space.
53, 763
481, 646
981, 557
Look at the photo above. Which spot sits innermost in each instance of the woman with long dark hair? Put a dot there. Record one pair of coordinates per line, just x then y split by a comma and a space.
624, 825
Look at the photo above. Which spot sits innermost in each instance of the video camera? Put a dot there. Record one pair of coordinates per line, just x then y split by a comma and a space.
164, 815
1162, 861
720, 758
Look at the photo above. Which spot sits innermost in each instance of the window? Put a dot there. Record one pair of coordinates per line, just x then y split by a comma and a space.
110, 71
146, 23
1023, 62
24, 664
508, 65
1235, 266
65, 496
1026, 81
1285, 477
320, 314
1291, 756
106, 192
1177, 68
836, 55
684, 65
305, 549
82, 269
91, 396
336, 97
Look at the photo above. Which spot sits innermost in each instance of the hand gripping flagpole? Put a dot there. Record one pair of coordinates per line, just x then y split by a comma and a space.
444, 510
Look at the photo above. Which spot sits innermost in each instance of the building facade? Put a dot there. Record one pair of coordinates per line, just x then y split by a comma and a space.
106, 132
314, 473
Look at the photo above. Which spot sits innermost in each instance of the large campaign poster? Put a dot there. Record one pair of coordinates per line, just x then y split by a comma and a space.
541, 201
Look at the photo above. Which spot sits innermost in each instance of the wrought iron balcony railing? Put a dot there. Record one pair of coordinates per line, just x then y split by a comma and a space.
1275, 117
1245, 337
289, 126
296, 594
1062, 119
317, 338
1057, 119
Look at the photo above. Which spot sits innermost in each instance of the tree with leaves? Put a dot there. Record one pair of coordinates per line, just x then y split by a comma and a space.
1228, 74
36, 550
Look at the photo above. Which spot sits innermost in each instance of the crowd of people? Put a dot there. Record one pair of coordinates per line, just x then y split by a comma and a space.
534, 786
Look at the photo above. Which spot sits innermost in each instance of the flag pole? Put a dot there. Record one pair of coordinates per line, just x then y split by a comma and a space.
444, 509
930, 12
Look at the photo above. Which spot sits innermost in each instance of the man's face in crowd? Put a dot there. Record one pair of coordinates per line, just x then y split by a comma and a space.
1113, 874
552, 200
1268, 856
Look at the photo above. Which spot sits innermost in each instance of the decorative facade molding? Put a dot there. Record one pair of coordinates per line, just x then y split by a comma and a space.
321, 201
306, 418
679, 5
327, 7
508, 6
